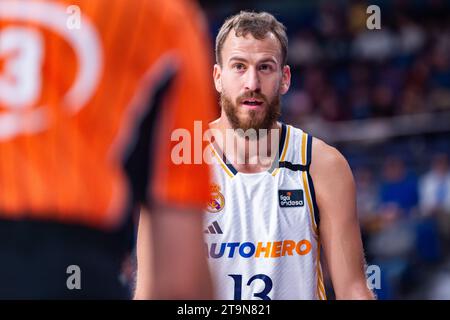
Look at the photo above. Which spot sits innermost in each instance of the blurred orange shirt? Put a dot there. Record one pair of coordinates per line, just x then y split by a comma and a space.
88, 101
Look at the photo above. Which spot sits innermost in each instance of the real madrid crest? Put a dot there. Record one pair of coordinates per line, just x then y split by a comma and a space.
216, 201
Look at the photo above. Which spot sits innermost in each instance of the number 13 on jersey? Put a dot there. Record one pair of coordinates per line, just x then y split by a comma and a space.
263, 295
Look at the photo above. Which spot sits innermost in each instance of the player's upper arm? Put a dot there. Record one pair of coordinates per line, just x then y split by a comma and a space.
339, 227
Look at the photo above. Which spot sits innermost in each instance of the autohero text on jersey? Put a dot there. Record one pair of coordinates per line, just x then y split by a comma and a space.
269, 249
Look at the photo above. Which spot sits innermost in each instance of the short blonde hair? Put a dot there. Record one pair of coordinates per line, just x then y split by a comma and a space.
258, 24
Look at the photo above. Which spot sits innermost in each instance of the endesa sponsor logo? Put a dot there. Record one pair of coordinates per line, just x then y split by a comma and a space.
270, 249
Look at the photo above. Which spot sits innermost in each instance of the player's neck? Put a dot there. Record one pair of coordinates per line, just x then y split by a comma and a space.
245, 154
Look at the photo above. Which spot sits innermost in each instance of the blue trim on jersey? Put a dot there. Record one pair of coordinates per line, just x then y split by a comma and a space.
276, 164
283, 140
229, 165
310, 181
308, 150
224, 158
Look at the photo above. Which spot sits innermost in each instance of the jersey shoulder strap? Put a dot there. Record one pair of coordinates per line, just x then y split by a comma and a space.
298, 149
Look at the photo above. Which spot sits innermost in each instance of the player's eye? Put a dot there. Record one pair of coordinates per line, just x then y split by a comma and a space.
238, 66
265, 67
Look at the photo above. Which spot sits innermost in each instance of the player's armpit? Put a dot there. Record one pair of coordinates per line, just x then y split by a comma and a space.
339, 227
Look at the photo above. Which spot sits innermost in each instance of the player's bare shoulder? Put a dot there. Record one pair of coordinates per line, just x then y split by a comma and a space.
329, 168
326, 157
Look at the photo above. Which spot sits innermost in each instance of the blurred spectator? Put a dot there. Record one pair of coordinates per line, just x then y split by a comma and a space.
440, 60
360, 102
366, 200
330, 20
357, 18
440, 99
398, 190
412, 101
304, 49
359, 74
419, 73
298, 105
315, 84
383, 101
435, 194
374, 45
330, 108
395, 242
435, 186
412, 37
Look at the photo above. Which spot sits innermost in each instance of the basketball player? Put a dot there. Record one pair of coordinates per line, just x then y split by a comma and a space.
89, 94
267, 221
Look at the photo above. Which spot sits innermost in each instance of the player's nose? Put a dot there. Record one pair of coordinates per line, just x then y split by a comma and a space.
252, 81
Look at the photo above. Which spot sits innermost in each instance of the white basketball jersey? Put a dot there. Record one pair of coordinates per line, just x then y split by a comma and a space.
261, 230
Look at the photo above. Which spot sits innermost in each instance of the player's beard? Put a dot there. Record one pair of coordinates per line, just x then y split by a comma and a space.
255, 120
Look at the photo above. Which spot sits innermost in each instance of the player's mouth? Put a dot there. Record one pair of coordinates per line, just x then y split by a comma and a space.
252, 103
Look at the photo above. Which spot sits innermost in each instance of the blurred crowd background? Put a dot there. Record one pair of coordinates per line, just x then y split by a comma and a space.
382, 97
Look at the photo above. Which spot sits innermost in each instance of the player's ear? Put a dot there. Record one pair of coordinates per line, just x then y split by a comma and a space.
217, 75
286, 79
